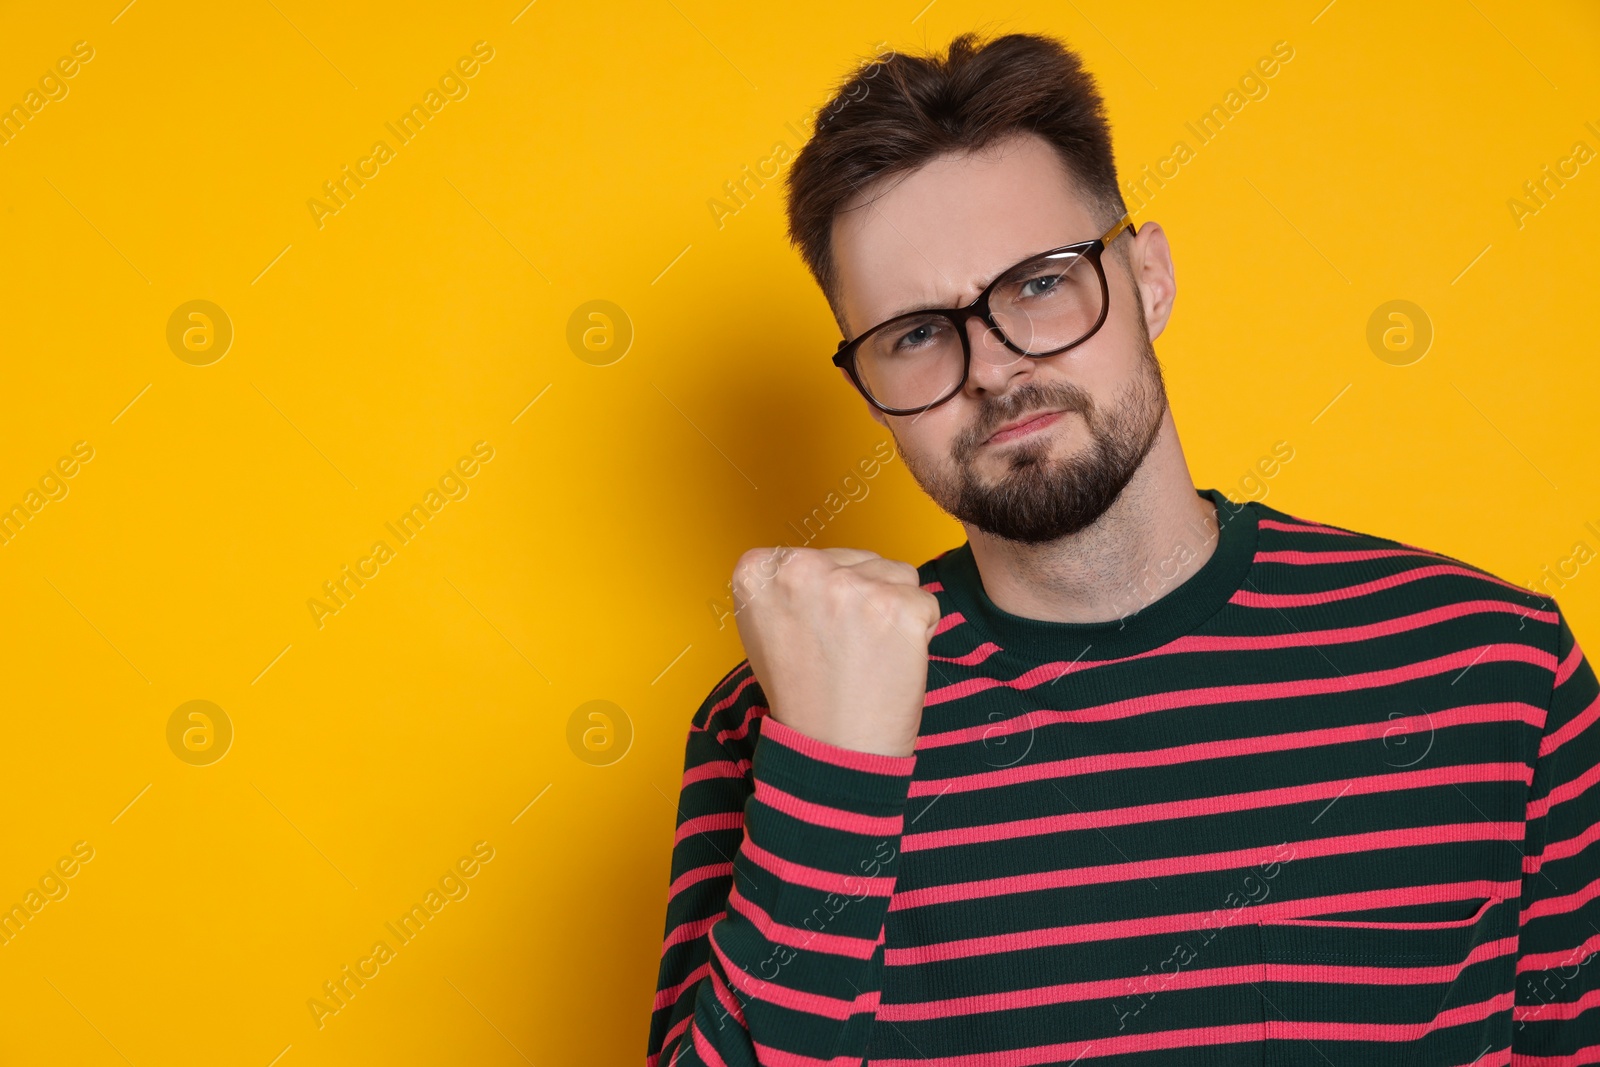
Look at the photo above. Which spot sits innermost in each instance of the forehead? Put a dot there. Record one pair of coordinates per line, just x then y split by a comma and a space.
936, 236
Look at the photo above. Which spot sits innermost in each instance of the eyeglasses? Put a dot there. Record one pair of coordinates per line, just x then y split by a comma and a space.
1043, 306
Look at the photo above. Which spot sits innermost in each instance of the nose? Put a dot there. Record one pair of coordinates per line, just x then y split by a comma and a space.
994, 368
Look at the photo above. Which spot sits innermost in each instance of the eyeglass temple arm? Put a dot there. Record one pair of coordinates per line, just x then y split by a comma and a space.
1124, 223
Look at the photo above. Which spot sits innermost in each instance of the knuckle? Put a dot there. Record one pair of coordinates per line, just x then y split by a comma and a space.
905, 571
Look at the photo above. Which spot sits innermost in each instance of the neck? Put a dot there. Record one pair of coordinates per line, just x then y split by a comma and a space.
1150, 541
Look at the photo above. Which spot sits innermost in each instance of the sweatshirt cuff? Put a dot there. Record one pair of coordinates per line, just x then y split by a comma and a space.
865, 781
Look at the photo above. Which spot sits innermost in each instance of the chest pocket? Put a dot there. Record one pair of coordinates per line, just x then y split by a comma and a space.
1354, 993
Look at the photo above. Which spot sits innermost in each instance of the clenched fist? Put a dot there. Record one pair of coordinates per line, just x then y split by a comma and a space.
838, 639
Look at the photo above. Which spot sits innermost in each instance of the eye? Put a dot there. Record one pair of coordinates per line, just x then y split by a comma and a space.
1041, 278
919, 335
1040, 285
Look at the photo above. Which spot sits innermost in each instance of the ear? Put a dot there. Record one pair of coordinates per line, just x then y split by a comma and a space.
1150, 261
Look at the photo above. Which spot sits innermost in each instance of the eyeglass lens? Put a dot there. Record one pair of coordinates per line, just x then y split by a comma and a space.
1041, 306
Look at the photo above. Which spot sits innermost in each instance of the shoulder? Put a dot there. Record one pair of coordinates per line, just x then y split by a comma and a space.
1304, 562
1292, 539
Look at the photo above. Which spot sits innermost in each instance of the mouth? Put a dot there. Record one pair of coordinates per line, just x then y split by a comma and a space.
1028, 424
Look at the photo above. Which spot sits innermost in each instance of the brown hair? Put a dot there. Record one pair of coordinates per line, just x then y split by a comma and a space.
896, 113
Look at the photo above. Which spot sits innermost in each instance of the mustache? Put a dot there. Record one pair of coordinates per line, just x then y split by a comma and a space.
1034, 396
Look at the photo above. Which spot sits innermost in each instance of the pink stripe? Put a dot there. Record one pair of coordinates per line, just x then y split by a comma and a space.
1563, 792
1560, 850
1544, 961
1066, 993
1163, 924
690, 930
1449, 924
1574, 726
1302, 526
848, 758
1146, 704
858, 948
725, 997
729, 700
715, 769
934, 587
699, 874
768, 1056
1296, 556
1250, 599
1183, 809
1073, 1051
1290, 1030
1581, 1058
1569, 666
1233, 747
973, 658
734, 733
1569, 1009
667, 997
794, 999
666, 1042
1208, 978
706, 1051
1350, 634
1330, 974
1562, 904
949, 622
702, 824
1584, 1056
799, 874
1038, 882
825, 816
1049, 672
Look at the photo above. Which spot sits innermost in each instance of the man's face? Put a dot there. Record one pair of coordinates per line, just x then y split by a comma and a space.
1030, 449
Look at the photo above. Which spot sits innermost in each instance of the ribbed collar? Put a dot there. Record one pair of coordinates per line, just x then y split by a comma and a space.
1170, 615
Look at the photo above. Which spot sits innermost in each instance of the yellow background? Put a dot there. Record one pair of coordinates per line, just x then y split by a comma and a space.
369, 354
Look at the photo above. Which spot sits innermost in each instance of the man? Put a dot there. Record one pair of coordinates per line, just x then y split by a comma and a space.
1136, 775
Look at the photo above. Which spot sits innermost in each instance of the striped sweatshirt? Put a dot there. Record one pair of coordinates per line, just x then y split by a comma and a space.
1331, 800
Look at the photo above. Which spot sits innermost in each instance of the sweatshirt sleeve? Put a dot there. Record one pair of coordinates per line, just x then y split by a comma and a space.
1557, 1004
782, 867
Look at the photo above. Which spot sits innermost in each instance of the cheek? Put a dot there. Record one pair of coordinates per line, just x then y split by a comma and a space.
925, 441
1109, 362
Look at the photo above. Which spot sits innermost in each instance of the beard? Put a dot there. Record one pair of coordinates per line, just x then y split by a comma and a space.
1038, 499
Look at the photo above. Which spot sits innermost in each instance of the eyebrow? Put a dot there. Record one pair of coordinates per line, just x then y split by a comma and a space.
936, 306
